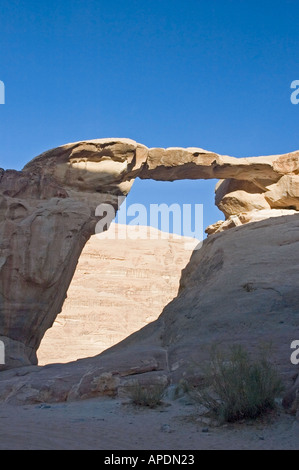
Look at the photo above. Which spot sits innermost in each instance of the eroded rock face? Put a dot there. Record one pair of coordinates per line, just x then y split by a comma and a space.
244, 201
40, 243
47, 213
121, 284
100, 166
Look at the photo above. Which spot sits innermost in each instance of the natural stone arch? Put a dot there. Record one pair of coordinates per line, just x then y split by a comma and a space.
47, 213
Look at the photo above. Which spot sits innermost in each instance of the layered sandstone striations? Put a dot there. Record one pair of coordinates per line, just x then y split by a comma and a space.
121, 284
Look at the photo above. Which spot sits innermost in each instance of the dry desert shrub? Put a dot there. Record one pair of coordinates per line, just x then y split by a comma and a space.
146, 395
236, 387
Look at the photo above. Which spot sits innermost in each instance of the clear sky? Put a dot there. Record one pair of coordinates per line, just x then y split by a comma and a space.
209, 73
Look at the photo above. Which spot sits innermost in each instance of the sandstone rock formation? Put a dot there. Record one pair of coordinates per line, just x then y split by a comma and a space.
47, 213
120, 285
251, 200
230, 292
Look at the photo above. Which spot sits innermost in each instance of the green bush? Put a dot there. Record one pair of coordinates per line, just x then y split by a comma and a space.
238, 388
149, 395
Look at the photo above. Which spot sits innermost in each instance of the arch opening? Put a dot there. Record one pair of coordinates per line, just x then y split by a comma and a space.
123, 282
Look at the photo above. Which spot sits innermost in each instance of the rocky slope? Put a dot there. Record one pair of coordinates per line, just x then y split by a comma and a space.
240, 287
120, 285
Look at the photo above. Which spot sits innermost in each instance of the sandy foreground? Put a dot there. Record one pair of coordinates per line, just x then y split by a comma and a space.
115, 424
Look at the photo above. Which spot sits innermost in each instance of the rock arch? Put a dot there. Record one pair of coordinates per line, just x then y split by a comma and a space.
47, 213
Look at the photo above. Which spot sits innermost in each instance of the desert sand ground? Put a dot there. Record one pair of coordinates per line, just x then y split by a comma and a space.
115, 424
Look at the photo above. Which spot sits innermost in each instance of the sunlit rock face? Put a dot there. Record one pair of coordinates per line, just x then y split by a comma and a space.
123, 279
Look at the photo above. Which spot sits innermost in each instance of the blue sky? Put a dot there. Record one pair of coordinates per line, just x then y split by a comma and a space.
213, 74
